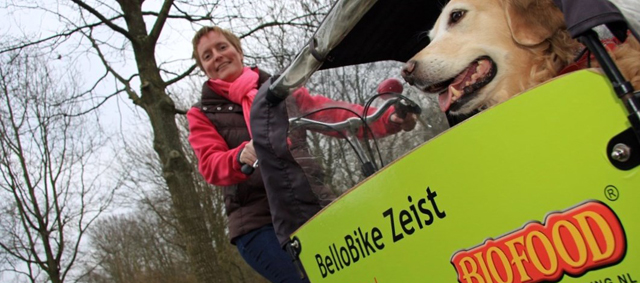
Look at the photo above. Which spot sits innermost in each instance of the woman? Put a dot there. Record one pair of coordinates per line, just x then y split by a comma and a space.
219, 135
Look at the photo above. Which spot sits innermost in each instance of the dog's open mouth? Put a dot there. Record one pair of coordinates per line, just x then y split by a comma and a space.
456, 92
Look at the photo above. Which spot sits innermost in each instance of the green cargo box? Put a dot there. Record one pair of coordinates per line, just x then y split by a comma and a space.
523, 192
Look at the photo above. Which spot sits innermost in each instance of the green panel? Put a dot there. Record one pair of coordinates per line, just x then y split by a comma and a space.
539, 154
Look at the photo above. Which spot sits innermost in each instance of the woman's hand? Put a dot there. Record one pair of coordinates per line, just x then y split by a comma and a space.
248, 154
406, 124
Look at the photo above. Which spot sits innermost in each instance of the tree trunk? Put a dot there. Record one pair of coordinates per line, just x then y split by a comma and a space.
166, 142
179, 177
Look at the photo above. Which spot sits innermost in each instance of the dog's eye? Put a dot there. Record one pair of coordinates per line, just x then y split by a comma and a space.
456, 16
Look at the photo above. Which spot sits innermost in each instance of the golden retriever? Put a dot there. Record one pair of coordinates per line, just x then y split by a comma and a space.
483, 52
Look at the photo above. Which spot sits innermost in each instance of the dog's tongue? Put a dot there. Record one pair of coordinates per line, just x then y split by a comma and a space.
444, 99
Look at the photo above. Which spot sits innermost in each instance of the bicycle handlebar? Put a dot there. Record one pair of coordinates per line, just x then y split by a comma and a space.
248, 169
403, 106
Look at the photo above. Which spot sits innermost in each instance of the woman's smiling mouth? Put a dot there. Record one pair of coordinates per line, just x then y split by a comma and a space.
222, 66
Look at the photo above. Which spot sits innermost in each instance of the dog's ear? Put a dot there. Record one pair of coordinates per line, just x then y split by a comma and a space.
532, 21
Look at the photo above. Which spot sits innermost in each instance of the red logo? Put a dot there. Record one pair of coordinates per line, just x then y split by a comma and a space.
570, 242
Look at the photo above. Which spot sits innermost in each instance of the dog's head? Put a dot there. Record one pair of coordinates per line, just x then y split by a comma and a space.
482, 52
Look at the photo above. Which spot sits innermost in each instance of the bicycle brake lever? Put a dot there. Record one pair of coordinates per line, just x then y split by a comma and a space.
404, 106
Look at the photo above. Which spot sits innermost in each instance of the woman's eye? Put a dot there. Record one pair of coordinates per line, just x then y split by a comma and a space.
456, 16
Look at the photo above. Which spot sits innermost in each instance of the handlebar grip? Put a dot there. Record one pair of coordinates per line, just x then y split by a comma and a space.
247, 169
404, 106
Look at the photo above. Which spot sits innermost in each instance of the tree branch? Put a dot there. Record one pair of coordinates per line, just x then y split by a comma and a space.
181, 76
132, 94
64, 35
106, 21
271, 24
160, 21
184, 16
95, 107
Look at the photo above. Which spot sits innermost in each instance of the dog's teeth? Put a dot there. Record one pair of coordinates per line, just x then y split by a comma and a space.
456, 93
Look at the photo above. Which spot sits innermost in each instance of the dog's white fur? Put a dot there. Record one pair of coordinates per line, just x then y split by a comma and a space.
525, 53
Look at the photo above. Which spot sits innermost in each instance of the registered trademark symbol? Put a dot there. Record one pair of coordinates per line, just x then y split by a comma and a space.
611, 193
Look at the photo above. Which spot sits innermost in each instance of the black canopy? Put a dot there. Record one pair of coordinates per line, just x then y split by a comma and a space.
390, 30
583, 15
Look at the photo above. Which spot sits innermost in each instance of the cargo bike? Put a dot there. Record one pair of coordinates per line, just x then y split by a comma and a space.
527, 191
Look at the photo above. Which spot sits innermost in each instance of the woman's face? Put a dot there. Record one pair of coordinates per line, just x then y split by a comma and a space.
220, 60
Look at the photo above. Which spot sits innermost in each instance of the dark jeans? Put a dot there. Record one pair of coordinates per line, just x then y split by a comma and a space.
261, 250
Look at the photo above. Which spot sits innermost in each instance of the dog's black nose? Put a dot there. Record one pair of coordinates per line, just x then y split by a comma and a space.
407, 71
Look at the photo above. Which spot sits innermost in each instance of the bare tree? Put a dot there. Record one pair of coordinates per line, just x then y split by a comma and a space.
142, 246
51, 189
137, 248
121, 254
